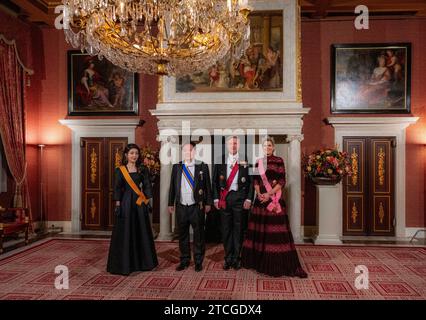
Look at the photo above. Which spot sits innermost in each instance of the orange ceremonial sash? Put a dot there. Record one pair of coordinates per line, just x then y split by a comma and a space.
132, 184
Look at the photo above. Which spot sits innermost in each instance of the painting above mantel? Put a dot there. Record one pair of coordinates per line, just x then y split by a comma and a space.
258, 69
269, 71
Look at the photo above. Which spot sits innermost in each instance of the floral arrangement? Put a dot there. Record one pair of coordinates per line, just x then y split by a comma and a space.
328, 163
151, 160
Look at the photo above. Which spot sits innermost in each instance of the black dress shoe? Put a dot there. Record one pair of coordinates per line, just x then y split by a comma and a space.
226, 266
182, 266
198, 267
237, 265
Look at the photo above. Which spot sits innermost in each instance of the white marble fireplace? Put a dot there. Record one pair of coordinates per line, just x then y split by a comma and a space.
276, 112
284, 119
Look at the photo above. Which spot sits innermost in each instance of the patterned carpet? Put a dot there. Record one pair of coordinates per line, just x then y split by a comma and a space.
394, 273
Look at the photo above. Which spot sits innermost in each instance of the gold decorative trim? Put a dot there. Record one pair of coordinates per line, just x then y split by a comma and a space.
348, 199
117, 158
354, 215
354, 158
93, 209
90, 144
298, 54
388, 201
381, 166
160, 90
386, 145
348, 143
93, 196
93, 166
112, 157
381, 213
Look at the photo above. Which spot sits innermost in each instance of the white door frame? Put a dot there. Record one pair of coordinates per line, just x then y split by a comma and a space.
113, 128
374, 127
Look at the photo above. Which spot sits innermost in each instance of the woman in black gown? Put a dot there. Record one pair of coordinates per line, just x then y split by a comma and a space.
132, 245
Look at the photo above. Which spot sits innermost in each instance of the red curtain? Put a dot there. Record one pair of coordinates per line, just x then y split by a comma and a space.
12, 121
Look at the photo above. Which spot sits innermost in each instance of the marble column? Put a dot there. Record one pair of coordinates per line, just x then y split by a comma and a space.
294, 202
165, 175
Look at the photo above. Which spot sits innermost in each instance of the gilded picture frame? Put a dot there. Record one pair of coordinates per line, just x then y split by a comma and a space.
370, 78
97, 87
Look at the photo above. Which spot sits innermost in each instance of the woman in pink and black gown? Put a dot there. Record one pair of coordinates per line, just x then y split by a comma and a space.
269, 246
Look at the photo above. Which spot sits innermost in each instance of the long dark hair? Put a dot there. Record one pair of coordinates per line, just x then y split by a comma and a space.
124, 160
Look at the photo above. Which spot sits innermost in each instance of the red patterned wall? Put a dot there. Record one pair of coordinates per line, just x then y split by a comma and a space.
48, 103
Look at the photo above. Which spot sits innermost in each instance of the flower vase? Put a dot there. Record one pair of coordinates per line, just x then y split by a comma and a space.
326, 181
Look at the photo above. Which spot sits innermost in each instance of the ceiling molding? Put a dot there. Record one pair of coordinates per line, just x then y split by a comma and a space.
324, 8
43, 11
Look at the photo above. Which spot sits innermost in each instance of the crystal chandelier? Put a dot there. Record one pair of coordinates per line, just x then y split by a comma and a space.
166, 37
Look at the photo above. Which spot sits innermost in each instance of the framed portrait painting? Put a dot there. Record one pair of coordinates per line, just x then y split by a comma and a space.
97, 87
370, 78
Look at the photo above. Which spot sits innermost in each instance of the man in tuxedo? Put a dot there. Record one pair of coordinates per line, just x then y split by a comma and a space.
232, 193
190, 197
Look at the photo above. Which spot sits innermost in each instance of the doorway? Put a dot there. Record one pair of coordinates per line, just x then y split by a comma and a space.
100, 157
369, 193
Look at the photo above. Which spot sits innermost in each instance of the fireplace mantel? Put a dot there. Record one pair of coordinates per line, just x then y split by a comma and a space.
277, 118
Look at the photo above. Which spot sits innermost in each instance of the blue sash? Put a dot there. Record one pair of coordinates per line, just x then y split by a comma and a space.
188, 175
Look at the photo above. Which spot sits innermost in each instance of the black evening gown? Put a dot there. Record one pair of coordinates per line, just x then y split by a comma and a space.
132, 244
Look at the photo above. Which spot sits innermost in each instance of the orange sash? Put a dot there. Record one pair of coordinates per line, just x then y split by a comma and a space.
132, 184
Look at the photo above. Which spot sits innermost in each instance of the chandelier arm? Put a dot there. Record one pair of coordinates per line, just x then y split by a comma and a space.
154, 46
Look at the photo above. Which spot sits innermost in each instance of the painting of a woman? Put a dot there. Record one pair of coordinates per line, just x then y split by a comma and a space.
378, 87
99, 87
91, 91
370, 78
